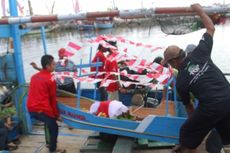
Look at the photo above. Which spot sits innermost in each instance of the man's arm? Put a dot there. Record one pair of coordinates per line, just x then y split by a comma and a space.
34, 65
204, 18
189, 109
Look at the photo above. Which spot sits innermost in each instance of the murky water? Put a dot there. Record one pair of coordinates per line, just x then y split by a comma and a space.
33, 50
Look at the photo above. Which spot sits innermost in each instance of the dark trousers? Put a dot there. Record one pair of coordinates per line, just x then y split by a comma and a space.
102, 91
52, 127
213, 142
3, 138
68, 87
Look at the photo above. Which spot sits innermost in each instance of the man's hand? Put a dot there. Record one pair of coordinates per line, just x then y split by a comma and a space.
59, 119
190, 109
176, 149
34, 65
196, 7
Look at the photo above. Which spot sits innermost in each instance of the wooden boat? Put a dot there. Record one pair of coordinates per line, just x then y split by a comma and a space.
107, 25
156, 125
85, 27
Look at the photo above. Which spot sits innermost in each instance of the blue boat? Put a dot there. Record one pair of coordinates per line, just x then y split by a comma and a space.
103, 25
85, 27
164, 128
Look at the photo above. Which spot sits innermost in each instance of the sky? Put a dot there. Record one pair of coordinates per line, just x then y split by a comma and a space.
43, 7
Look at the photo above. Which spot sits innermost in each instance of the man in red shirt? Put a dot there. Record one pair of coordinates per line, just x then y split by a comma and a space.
41, 102
112, 89
110, 67
100, 57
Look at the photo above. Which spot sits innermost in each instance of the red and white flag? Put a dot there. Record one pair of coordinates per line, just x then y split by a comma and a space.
72, 48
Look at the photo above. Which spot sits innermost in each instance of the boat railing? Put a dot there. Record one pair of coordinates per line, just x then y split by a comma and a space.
94, 73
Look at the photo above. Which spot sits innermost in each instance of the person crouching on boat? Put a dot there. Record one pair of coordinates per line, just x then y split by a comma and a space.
42, 103
199, 75
63, 65
111, 109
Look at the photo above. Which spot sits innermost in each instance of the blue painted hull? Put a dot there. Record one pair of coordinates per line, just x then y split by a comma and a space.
157, 128
103, 25
85, 27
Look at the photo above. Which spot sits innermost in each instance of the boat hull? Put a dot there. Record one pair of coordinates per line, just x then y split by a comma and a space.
85, 27
157, 128
103, 25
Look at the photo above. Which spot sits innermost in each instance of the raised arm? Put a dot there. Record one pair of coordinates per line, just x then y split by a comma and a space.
208, 24
34, 65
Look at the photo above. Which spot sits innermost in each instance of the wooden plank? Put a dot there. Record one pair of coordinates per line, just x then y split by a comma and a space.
123, 145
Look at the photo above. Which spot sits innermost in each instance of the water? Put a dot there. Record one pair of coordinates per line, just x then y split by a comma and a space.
33, 50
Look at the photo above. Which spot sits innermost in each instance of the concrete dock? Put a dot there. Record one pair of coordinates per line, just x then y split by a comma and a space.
73, 140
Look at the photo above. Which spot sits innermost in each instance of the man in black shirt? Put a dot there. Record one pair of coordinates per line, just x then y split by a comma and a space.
199, 75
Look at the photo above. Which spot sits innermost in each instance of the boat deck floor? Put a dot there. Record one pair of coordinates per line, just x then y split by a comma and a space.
142, 112
71, 140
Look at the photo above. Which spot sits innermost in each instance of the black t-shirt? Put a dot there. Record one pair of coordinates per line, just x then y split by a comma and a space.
199, 75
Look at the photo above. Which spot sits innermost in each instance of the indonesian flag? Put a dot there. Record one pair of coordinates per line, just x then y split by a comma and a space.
72, 48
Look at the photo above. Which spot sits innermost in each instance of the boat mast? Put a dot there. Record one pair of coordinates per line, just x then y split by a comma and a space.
30, 8
114, 6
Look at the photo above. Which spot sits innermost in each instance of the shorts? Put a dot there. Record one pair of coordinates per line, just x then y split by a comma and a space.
194, 130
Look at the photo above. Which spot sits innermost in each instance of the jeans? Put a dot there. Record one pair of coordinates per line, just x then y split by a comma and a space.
3, 138
52, 127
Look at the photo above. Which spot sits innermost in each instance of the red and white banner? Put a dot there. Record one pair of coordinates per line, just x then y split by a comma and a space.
72, 48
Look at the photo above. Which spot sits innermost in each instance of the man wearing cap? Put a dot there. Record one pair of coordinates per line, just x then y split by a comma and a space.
62, 65
199, 75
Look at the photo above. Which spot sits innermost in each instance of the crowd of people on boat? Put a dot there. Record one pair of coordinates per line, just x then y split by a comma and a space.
198, 79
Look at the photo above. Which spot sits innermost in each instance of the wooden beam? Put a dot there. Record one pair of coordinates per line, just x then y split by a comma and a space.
123, 145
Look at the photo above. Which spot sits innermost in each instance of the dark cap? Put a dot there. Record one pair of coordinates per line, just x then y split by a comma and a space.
170, 53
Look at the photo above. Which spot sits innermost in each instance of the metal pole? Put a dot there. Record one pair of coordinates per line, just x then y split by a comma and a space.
79, 89
15, 33
90, 61
43, 35
124, 14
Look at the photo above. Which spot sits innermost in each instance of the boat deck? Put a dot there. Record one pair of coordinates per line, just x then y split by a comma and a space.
142, 112
73, 141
